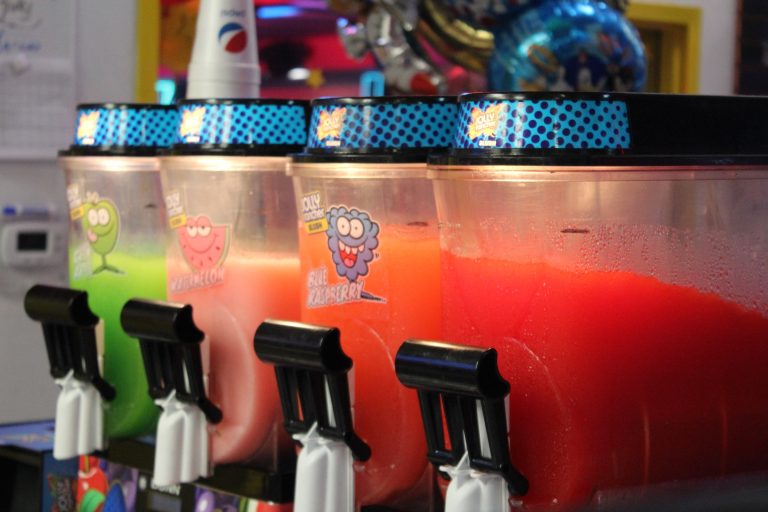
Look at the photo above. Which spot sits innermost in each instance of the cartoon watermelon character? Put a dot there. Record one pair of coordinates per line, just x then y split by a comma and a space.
101, 224
204, 245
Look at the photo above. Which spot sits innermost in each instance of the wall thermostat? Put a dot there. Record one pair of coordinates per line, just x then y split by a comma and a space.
32, 243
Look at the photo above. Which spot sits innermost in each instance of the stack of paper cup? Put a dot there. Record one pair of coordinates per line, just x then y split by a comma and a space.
225, 60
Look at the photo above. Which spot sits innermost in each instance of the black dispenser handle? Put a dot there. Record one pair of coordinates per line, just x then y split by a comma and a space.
457, 382
69, 330
311, 369
170, 347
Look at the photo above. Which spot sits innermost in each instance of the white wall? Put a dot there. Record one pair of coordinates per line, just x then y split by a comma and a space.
27, 391
105, 41
106, 44
718, 45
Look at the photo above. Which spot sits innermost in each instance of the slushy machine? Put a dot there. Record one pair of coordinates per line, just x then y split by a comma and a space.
496, 302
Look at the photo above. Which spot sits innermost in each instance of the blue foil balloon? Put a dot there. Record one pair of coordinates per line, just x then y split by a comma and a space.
567, 45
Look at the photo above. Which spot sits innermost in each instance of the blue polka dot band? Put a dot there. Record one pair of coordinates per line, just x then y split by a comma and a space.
381, 125
545, 129
552, 123
261, 126
119, 128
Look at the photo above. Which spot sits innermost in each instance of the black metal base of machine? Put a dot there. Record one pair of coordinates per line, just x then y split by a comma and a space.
238, 479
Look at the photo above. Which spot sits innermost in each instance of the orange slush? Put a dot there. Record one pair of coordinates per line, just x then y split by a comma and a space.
405, 279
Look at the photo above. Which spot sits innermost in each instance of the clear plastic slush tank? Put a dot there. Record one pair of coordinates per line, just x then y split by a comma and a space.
116, 249
613, 249
232, 254
369, 265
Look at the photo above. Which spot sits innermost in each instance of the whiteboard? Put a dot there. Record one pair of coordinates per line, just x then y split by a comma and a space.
37, 77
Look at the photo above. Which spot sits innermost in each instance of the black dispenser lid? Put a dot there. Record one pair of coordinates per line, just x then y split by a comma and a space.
123, 129
608, 129
170, 347
69, 329
452, 381
394, 129
311, 370
241, 127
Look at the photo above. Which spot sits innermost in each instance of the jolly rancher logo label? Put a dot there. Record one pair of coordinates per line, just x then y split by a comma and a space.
485, 123
313, 213
330, 126
191, 125
87, 125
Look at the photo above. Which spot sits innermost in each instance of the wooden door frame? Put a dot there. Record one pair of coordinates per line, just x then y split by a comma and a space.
680, 29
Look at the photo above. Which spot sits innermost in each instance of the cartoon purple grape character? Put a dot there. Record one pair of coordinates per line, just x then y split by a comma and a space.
352, 237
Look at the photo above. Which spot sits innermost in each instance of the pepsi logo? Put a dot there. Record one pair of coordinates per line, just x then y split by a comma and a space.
233, 37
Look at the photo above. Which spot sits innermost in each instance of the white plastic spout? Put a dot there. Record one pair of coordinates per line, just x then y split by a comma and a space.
79, 419
181, 445
475, 491
325, 480
225, 60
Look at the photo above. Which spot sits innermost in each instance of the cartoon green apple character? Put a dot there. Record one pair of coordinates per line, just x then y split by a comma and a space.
101, 224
